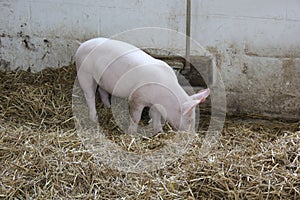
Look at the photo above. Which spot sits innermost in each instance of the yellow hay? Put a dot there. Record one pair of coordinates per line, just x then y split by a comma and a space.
42, 157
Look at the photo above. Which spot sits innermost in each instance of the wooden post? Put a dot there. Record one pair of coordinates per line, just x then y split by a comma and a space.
188, 35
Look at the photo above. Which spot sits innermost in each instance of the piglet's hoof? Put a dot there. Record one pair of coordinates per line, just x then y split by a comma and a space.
132, 130
94, 118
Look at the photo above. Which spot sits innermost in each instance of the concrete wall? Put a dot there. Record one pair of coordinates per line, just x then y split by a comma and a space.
257, 46
256, 43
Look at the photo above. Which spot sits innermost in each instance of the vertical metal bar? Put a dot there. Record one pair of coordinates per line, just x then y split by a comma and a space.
188, 35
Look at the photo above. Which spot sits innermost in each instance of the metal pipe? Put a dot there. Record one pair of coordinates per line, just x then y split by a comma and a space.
188, 36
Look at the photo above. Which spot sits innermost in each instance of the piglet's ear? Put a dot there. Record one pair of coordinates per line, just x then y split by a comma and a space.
189, 105
201, 95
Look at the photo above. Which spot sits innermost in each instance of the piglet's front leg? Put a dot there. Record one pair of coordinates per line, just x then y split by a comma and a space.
135, 114
156, 119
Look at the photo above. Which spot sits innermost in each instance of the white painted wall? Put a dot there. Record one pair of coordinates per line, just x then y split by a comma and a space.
256, 42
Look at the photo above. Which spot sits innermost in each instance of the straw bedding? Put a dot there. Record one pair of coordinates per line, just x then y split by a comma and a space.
42, 157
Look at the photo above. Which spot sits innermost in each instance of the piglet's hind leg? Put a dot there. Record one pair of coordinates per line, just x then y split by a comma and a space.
104, 96
88, 86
